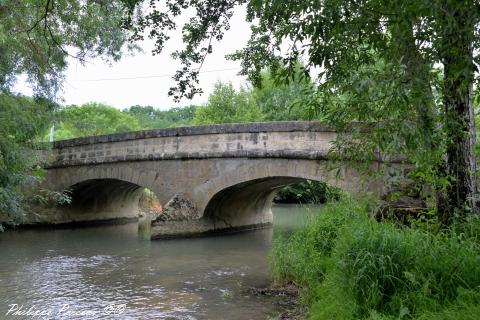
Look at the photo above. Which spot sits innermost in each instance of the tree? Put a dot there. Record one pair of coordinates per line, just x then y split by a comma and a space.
23, 121
146, 116
280, 101
225, 105
93, 119
36, 39
178, 116
426, 49
151, 118
39, 35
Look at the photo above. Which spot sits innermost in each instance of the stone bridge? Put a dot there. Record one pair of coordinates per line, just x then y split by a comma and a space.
206, 178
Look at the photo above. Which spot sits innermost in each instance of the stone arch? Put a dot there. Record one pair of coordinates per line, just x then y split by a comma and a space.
102, 199
241, 197
62, 178
247, 204
275, 171
99, 193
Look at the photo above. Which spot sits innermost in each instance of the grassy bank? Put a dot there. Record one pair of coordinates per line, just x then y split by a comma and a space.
352, 267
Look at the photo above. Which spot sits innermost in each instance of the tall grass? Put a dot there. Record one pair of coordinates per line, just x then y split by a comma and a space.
304, 256
353, 267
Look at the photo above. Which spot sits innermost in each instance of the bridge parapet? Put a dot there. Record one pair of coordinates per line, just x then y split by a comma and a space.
289, 139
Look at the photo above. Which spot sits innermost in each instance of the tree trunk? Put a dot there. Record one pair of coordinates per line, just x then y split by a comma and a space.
460, 164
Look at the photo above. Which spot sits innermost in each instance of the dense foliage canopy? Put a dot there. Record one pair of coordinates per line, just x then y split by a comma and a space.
225, 105
151, 118
92, 119
37, 39
23, 121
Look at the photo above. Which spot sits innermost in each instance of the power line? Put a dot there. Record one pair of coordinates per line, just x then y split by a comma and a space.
150, 76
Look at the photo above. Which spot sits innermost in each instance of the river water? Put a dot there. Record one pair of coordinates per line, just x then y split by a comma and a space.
112, 272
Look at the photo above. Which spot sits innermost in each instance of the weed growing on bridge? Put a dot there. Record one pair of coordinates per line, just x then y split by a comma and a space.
352, 267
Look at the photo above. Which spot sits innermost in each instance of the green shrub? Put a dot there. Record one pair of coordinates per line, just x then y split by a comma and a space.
396, 271
353, 267
468, 229
308, 191
465, 307
305, 255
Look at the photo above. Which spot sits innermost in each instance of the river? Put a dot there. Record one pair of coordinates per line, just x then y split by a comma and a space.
112, 272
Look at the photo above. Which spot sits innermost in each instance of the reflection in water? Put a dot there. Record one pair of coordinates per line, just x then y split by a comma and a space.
93, 273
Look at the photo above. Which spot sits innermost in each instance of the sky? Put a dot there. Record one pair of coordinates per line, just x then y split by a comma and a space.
112, 84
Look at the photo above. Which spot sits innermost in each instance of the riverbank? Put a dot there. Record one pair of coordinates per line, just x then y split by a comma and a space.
287, 296
352, 267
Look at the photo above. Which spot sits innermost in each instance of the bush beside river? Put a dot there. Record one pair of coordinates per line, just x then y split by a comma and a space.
350, 266
308, 191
